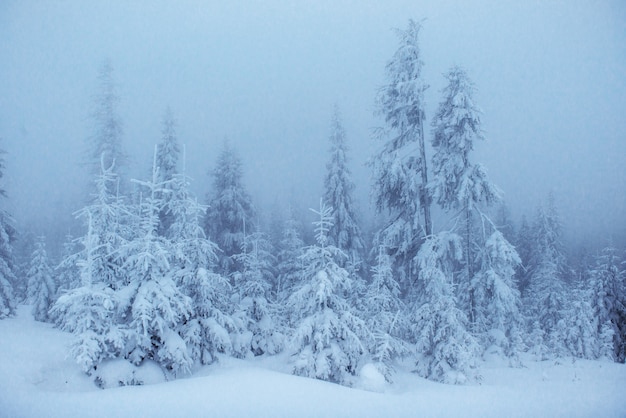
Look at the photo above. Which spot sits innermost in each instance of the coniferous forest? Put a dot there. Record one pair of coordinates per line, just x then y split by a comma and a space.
156, 273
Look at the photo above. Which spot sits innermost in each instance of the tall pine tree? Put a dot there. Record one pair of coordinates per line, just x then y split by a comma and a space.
230, 212
289, 264
167, 159
338, 188
106, 140
253, 285
400, 173
107, 222
42, 287
458, 184
545, 300
609, 299
154, 306
498, 305
207, 331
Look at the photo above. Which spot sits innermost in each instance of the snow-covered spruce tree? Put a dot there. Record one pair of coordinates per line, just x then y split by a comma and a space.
386, 315
230, 211
524, 247
90, 311
547, 239
546, 304
399, 167
211, 326
207, 331
152, 304
106, 141
67, 271
446, 350
582, 327
255, 312
608, 302
7, 265
42, 288
498, 306
289, 262
168, 153
20, 252
458, 184
606, 346
191, 249
327, 339
545, 300
107, 219
345, 233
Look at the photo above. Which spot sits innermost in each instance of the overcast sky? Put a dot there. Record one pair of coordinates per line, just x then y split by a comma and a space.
551, 79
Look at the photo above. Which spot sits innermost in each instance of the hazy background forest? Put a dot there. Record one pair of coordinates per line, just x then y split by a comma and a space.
266, 75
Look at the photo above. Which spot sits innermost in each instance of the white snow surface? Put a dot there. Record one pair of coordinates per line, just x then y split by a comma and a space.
38, 379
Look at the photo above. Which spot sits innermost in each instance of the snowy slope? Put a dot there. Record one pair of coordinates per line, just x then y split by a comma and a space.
37, 380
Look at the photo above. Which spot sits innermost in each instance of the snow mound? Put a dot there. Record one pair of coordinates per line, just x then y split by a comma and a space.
371, 379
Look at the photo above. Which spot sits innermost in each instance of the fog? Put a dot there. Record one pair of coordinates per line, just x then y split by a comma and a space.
551, 79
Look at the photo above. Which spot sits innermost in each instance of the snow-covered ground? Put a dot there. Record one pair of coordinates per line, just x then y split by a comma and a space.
38, 380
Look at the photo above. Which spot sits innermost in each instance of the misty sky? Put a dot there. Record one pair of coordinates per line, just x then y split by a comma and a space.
551, 79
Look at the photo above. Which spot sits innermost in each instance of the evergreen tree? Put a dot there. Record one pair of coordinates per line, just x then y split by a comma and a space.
524, 246
606, 345
90, 312
458, 184
253, 285
386, 316
446, 350
547, 233
168, 153
338, 188
7, 299
7, 276
399, 168
327, 337
191, 249
289, 263
609, 299
546, 303
68, 272
582, 327
207, 331
107, 221
230, 211
545, 300
41, 285
7, 265
106, 142
152, 304
498, 305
